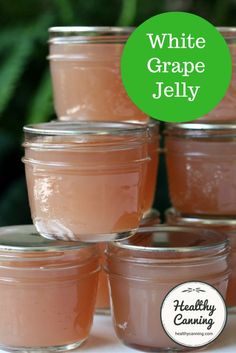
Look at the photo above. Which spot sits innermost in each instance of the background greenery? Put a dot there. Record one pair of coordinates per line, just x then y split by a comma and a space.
25, 87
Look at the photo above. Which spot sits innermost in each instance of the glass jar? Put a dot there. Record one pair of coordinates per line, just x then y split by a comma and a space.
201, 168
85, 179
47, 291
152, 166
225, 110
85, 69
143, 269
103, 298
225, 225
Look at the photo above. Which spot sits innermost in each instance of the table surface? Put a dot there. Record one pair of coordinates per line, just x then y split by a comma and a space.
103, 338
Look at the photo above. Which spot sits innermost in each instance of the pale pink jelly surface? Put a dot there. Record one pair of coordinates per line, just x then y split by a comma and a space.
225, 110
202, 175
47, 303
87, 83
86, 195
137, 293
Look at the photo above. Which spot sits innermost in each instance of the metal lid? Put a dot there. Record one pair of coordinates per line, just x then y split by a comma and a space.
171, 213
201, 126
202, 130
25, 238
55, 128
227, 32
175, 239
152, 124
78, 34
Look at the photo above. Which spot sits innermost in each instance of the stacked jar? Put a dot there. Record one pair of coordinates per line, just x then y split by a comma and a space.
91, 179
85, 69
202, 171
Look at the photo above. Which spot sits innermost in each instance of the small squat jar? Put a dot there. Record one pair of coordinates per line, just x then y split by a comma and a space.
85, 70
47, 291
143, 269
86, 180
225, 225
103, 298
201, 169
225, 110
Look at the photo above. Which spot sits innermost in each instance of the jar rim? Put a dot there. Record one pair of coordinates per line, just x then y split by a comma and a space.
230, 30
202, 130
87, 34
79, 128
26, 239
201, 126
219, 241
90, 30
193, 220
151, 122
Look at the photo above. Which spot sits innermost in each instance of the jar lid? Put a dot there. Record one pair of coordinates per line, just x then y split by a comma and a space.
79, 128
25, 238
153, 125
227, 32
202, 130
174, 239
201, 126
83, 34
174, 216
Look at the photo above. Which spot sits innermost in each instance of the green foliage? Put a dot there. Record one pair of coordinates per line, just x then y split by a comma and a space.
14, 207
65, 11
41, 106
128, 13
12, 70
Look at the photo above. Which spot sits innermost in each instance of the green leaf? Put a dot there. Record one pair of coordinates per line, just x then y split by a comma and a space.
41, 106
221, 11
12, 70
14, 208
7, 144
128, 13
65, 10
10, 37
39, 29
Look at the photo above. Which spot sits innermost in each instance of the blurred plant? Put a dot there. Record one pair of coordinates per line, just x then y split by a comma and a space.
25, 87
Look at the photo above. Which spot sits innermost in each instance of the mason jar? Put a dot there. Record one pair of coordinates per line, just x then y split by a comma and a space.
103, 298
85, 70
201, 168
225, 110
47, 291
224, 225
143, 269
85, 179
